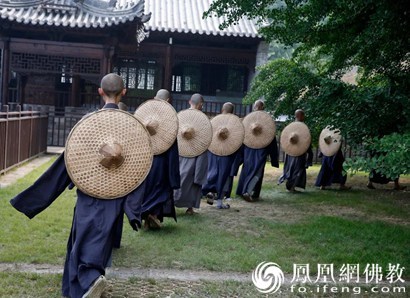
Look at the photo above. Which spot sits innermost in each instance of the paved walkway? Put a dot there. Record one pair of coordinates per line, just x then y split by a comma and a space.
13, 175
19, 172
126, 273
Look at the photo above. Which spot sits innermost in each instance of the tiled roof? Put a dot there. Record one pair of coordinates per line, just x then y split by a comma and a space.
73, 13
186, 16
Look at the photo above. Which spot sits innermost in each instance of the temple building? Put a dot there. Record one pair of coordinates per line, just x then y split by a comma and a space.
54, 52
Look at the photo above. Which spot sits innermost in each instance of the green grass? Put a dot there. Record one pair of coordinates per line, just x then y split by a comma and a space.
39, 240
29, 285
358, 226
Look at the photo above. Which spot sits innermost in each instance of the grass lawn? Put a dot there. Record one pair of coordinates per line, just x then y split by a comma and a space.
358, 226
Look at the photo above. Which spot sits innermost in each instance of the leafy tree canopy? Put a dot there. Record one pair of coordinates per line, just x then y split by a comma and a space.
369, 33
331, 37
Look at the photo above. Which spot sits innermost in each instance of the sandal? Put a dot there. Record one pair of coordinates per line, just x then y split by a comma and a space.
223, 206
210, 198
247, 197
153, 222
190, 212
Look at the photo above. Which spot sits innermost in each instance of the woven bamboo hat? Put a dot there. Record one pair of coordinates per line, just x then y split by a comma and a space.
295, 139
161, 121
194, 133
108, 154
260, 129
330, 141
227, 134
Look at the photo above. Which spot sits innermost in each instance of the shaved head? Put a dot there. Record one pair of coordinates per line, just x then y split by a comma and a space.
112, 85
196, 101
259, 105
300, 115
228, 108
163, 94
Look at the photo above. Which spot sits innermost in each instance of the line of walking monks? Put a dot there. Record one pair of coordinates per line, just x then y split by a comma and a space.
178, 177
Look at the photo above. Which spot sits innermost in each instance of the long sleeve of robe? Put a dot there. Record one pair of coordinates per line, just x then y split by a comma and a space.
93, 227
44, 191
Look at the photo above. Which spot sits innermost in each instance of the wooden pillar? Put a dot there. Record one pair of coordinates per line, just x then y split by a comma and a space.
6, 73
107, 64
21, 88
75, 95
168, 66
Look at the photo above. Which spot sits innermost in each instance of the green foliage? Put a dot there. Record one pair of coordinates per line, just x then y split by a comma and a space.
392, 160
277, 50
333, 37
369, 33
362, 112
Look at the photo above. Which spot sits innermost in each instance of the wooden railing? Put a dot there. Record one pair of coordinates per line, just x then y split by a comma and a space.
23, 135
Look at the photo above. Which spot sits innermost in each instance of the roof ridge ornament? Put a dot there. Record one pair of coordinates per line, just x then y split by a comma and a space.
108, 8
75, 13
22, 3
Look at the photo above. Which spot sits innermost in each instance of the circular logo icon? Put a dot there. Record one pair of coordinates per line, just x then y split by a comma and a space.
268, 277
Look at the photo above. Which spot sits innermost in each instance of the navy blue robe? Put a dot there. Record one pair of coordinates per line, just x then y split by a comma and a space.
219, 169
161, 182
93, 228
294, 169
253, 170
331, 170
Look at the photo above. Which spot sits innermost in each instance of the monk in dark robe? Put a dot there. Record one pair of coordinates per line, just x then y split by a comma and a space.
376, 177
161, 182
95, 220
193, 171
219, 169
294, 169
254, 161
331, 171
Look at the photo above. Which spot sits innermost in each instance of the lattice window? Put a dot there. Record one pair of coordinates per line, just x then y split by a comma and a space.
54, 64
187, 78
236, 79
66, 76
132, 78
142, 75
176, 83
150, 78
141, 78
208, 78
